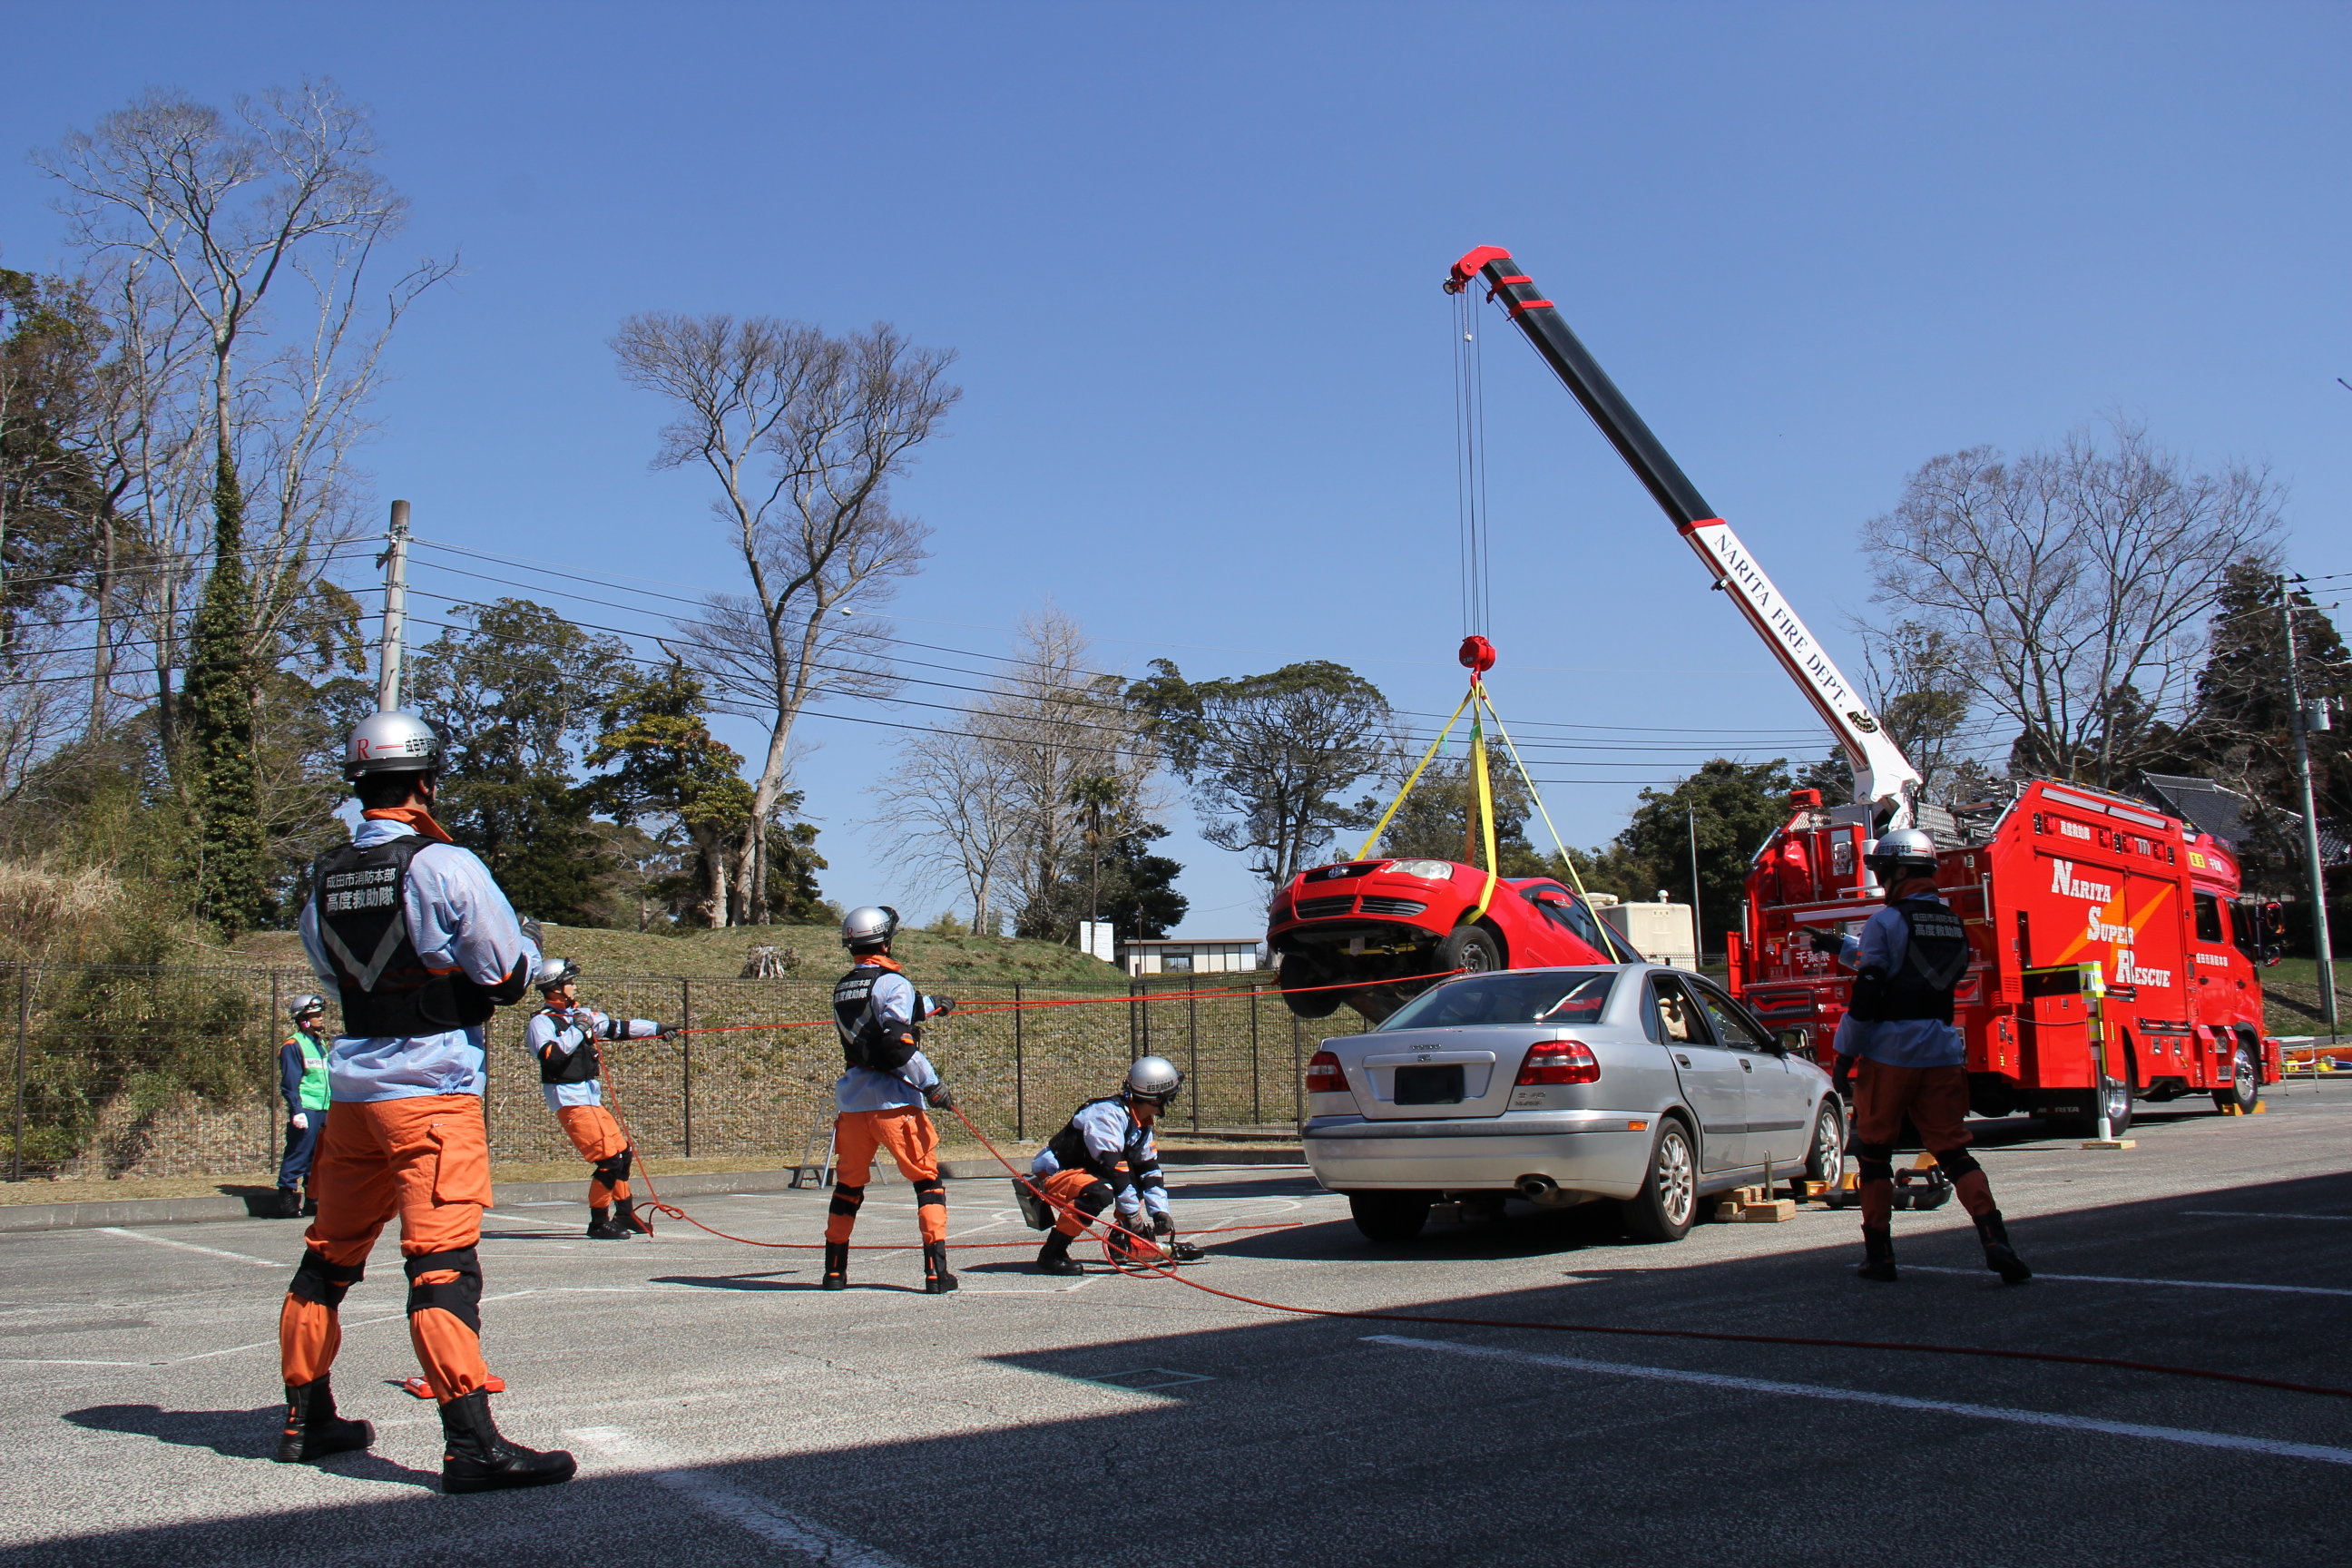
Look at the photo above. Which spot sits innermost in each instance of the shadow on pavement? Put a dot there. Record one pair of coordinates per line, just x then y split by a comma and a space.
236, 1434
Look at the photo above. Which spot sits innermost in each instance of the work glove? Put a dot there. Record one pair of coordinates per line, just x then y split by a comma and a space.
1841, 1078
1163, 1227
302, 1122
664, 1031
1825, 939
531, 929
938, 1098
940, 1007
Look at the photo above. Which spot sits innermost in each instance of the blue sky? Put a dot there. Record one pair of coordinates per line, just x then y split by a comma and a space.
1189, 257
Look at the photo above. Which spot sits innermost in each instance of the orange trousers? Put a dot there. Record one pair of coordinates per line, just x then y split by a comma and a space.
427, 1160
1064, 1187
598, 1137
912, 1141
1936, 1101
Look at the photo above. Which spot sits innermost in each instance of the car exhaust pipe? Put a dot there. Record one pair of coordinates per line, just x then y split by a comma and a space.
1539, 1189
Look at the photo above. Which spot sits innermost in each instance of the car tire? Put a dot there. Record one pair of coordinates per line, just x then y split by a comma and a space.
1472, 947
1389, 1218
1306, 1002
2245, 1085
1668, 1202
1826, 1160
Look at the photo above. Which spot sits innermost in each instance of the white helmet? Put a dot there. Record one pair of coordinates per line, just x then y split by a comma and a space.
868, 925
555, 972
1906, 851
306, 1005
1155, 1079
394, 743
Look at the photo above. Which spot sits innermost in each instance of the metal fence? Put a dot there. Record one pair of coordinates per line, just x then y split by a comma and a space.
173, 1072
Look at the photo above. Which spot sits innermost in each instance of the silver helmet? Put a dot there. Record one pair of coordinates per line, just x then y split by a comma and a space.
306, 1005
1906, 852
1155, 1079
868, 925
394, 743
555, 972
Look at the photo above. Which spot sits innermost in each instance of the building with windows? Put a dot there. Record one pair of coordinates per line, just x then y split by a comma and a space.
1192, 955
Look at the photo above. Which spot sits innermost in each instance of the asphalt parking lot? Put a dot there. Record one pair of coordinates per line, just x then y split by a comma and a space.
726, 1411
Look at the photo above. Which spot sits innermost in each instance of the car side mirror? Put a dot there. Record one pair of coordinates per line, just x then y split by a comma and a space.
1794, 1042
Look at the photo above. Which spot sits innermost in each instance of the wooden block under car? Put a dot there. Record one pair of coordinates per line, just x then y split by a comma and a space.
1773, 1211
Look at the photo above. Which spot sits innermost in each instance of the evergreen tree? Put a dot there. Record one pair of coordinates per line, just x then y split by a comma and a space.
217, 735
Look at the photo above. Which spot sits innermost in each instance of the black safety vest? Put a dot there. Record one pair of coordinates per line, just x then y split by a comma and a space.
1934, 958
865, 1042
1071, 1153
583, 1065
362, 898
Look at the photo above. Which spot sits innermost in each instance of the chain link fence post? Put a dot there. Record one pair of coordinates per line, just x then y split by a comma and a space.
686, 1070
1020, 1085
23, 1023
1257, 1109
1297, 1088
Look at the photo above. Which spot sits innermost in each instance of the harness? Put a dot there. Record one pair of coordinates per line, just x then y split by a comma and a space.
583, 1065
361, 897
866, 1041
1935, 957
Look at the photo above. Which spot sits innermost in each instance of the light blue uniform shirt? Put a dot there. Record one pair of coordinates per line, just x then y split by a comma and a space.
581, 1024
1104, 1126
895, 1002
457, 918
1885, 942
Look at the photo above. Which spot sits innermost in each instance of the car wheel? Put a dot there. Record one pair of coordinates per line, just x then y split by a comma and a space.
1826, 1164
1308, 1001
1668, 1201
2245, 1085
1389, 1218
1471, 948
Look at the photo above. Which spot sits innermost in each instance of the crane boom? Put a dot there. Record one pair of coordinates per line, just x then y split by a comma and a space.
1884, 778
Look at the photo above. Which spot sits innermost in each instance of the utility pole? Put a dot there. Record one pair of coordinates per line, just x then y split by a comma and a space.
1698, 946
395, 562
2324, 948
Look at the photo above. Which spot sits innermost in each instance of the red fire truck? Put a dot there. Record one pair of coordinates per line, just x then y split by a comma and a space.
2114, 958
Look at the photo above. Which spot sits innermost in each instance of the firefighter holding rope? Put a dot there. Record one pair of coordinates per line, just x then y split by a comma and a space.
1103, 1156
880, 1098
562, 1038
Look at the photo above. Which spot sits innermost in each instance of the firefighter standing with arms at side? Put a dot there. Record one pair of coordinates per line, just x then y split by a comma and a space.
1909, 958
562, 1035
880, 1100
303, 1077
1105, 1153
422, 945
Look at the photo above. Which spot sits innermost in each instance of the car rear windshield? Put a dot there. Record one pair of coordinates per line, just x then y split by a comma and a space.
1550, 996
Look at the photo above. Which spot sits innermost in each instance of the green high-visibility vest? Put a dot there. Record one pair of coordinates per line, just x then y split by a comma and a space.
313, 1090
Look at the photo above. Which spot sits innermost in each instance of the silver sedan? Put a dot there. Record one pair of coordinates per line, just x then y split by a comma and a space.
1630, 1083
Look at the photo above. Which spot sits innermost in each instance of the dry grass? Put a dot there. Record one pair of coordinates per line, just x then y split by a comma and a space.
49, 916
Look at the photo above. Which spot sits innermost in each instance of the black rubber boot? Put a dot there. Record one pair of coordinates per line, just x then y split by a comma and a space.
1054, 1257
1878, 1257
937, 1280
602, 1229
289, 1203
2000, 1257
475, 1458
313, 1430
625, 1217
837, 1266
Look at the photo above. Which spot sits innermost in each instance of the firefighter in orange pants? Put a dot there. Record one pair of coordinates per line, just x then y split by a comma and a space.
562, 1038
880, 1100
1106, 1155
1909, 958
422, 945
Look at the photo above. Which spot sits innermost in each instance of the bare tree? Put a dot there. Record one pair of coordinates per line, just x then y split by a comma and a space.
804, 433
949, 816
2071, 584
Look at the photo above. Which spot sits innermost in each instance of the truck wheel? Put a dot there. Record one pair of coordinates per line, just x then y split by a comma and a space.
2119, 1108
1664, 1209
2245, 1085
1389, 1218
1827, 1162
1473, 948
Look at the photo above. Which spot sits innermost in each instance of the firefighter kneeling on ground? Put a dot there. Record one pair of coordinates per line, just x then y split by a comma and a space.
563, 1037
1909, 958
880, 1100
1106, 1155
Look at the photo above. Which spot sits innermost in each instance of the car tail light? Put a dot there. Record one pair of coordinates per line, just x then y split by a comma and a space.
1325, 1076
1552, 1061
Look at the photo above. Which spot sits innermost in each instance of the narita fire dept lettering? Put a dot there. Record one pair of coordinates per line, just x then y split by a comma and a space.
2063, 881
369, 890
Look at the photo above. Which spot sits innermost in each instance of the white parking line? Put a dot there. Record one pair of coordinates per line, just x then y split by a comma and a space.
192, 1246
2118, 1279
2187, 1434
757, 1515
2243, 1214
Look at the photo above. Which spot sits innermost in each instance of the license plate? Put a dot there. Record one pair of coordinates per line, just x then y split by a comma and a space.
1429, 1086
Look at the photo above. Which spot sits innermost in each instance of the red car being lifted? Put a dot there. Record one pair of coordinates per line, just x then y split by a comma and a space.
1371, 934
